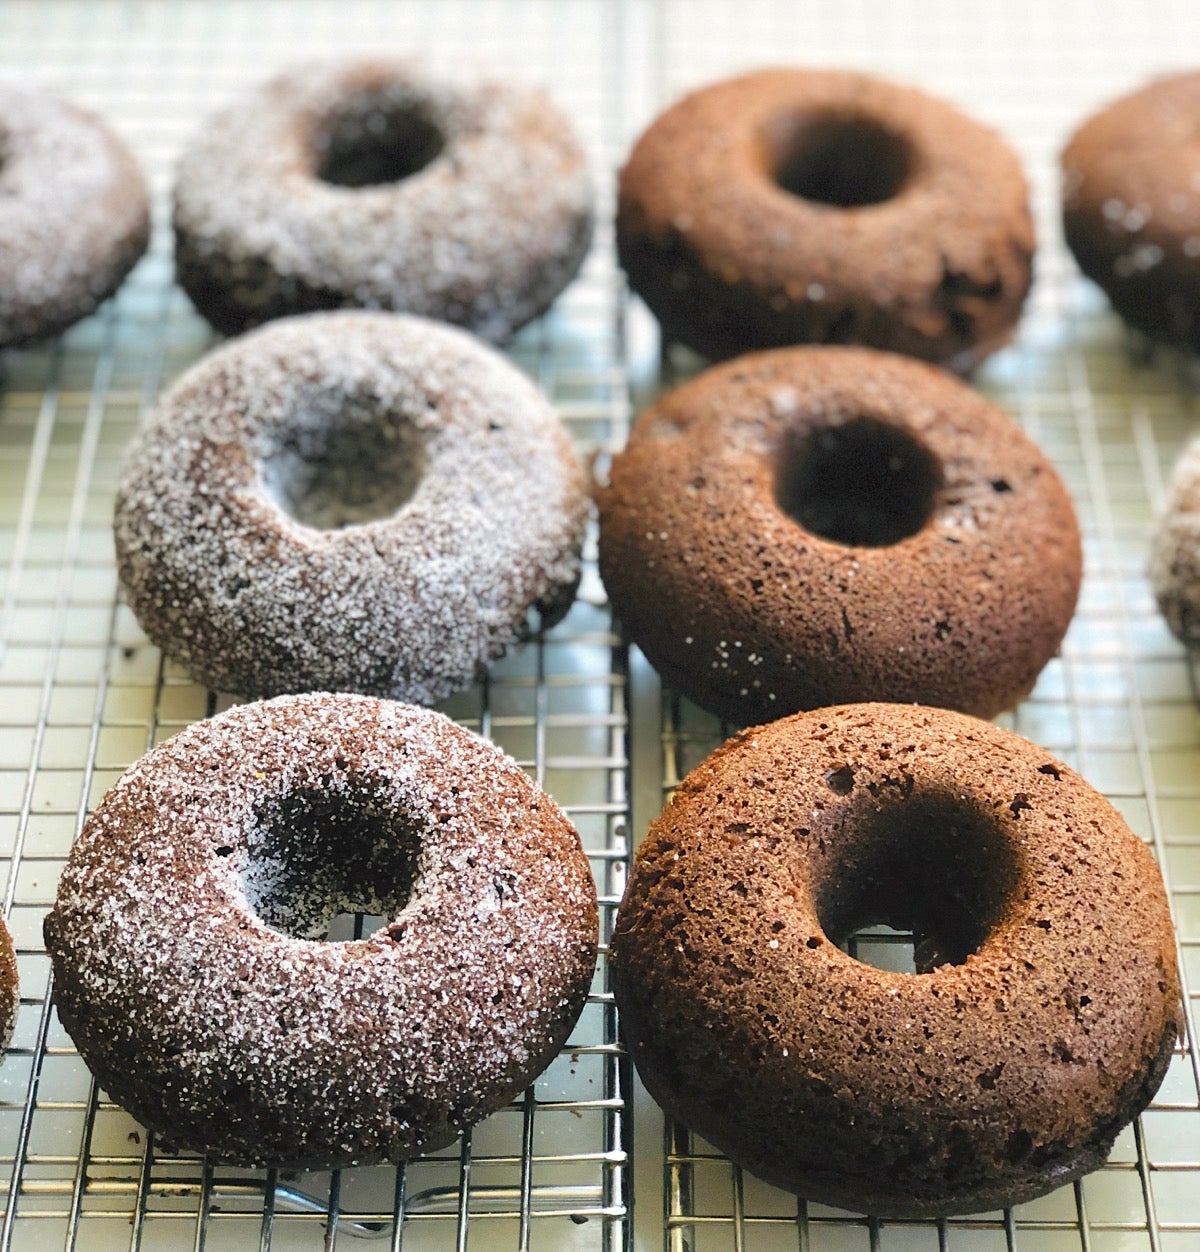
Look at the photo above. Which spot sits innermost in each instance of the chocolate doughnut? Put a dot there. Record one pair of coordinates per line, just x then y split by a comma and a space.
808, 206
1131, 207
74, 214
1175, 553
187, 935
9, 991
382, 184
819, 526
1045, 1007
348, 502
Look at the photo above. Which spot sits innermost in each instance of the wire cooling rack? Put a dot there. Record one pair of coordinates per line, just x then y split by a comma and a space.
82, 694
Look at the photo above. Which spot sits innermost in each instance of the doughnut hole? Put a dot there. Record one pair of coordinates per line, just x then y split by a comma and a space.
312, 858
862, 483
341, 462
930, 867
372, 142
844, 161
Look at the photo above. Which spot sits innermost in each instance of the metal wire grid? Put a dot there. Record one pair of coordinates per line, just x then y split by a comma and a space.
1119, 704
82, 694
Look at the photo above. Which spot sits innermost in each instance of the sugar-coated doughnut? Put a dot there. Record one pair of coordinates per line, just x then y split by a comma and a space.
823, 206
1131, 206
187, 938
74, 214
8, 986
817, 526
1175, 553
388, 185
349, 501
1046, 1004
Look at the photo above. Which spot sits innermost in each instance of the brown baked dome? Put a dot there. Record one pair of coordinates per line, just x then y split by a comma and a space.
1047, 1004
824, 206
819, 526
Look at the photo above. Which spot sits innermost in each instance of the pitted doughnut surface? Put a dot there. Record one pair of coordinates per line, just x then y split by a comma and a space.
383, 184
437, 493
806, 206
74, 216
819, 526
8, 986
180, 969
1131, 206
1045, 1019
1175, 556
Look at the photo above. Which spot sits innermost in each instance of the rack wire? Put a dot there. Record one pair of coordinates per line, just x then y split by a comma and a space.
82, 694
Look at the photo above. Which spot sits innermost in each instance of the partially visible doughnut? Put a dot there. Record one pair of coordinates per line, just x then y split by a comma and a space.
188, 934
349, 502
8, 986
74, 214
821, 206
384, 185
1131, 206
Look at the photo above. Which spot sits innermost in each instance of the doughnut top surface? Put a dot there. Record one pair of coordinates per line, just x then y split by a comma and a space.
475, 511
793, 206
74, 215
485, 223
1050, 1003
187, 933
815, 526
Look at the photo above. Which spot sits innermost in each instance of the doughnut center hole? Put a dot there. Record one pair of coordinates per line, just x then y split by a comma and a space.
316, 865
920, 884
374, 142
861, 483
846, 162
340, 462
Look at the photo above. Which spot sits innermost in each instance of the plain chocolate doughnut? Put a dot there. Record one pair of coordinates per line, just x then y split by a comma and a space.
1046, 1006
819, 206
819, 526
1131, 206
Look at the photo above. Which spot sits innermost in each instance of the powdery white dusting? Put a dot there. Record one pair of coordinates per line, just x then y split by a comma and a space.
225, 1034
485, 236
413, 605
74, 215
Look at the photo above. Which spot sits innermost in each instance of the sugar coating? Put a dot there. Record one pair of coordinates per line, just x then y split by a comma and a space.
970, 1087
74, 214
752, 615
224, 1034
9, 991
412, 605
730, 261
485, 236
1175, 551
1131, 206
